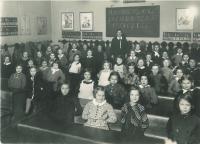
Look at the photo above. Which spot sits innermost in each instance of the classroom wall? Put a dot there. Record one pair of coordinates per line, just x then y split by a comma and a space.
167, 15
27, 8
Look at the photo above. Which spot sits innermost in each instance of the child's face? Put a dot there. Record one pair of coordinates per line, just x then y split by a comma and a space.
100, 95
30, 63
85, 47
52, 56
32, 71
55, 66
44, 64
131, 69
166, 63
76, 58
74, 46
25, 54
148, 57
185, 106
137, 47
134, 96
144, 80
192, 63
156, 48
119, 60
18, 69
185, 57
113, 79
140, 63
87, 75
7, 59
48, 48
106, 66
155, 69
39, 54
186, 84
99, 48
132, 53
179, 73
89, 53
165, 54
65, 89
179, 50
60, 51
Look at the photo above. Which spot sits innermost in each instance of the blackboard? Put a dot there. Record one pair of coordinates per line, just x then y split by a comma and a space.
142, 21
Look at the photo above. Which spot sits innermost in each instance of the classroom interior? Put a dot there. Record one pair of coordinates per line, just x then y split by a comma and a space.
42, 22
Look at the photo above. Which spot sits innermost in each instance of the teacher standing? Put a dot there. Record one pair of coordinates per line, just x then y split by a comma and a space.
119, 45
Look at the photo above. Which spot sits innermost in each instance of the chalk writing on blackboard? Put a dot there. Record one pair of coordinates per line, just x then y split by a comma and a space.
142, 21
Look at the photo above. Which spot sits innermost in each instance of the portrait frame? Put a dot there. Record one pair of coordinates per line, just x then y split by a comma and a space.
67, 21
86, 21
184, 20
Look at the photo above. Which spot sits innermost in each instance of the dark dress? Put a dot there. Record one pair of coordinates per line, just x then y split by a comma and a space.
35, 90
6, 70
184, 129
64, 109
134, 121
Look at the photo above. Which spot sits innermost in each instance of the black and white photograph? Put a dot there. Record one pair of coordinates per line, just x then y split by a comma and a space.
100, 72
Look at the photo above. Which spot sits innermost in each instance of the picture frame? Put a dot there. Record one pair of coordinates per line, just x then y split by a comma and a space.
41, 25
86, 21
184, 19
67, 21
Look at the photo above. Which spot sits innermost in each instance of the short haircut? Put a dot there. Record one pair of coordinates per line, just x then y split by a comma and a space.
114, 73
98, 88
188, 97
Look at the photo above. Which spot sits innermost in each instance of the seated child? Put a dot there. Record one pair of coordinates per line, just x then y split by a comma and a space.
149, 97
175, 86
64, 109
184, 127
140, 67
132, 58
148, 63
98, 112
115, 92
177, 58
134, 118
104, 74
167, 71
131, 78
120, 67
158, 81
6, 67
86, 88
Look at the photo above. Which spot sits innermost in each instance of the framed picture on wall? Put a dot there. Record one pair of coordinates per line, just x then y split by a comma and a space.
67, 21
184, 19
41, 25
86, 21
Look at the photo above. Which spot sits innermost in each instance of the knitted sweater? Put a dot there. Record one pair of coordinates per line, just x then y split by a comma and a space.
98, 115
